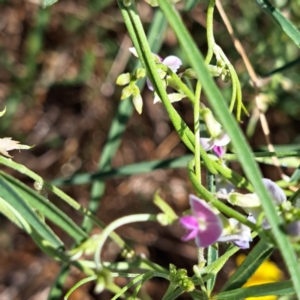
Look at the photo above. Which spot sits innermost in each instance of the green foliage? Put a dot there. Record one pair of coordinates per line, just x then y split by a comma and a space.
215, 75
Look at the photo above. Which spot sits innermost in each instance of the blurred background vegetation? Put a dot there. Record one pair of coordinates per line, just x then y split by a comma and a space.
58, 68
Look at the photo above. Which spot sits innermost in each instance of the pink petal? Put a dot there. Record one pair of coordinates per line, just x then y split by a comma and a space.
275, 191
190, 234
173, 62
219, 150
189, 222
210, 235
207, 143
222, 140
201, 210
212, 224
191, 225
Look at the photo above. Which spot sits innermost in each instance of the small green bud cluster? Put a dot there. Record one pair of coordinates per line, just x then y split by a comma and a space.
223, 70
179, 277
291, 215
214, 71
131, 89
290, 212
127, 254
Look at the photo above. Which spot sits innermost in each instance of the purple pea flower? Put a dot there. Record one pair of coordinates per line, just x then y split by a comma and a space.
172, 62
216, 144
251, 204
237, 233
203, 225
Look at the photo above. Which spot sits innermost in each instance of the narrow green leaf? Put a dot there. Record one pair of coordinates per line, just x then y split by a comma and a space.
48, 209
213, 269
14, 216
57, 286
276, 288
172, 163
252, 262
78, 284
128, 170
286, 26
212, 256
296, 175
8, 193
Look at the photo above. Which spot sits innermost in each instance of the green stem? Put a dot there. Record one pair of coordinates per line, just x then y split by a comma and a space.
197, 132
207, 196
113, 226
201, 258
210, 31
139, 39
169, 291
181, 86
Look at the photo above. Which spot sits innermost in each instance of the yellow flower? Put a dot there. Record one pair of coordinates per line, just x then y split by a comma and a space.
267, 272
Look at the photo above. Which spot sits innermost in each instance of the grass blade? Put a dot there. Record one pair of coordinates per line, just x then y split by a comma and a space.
276, 288
253, 260
49, 210
8, 193
286, 26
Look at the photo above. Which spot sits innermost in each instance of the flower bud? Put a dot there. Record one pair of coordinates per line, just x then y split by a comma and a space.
123, 79
140, 73
179, 277
244, 201
175, 97
190, 73
214, 128
137, 99
133, 51
127, 92
225, 75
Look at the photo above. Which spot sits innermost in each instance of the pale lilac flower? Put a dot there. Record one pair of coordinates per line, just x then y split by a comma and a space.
203, 225
223, 186
293, 229
252, 204
216, 144
172, 62
237, 233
